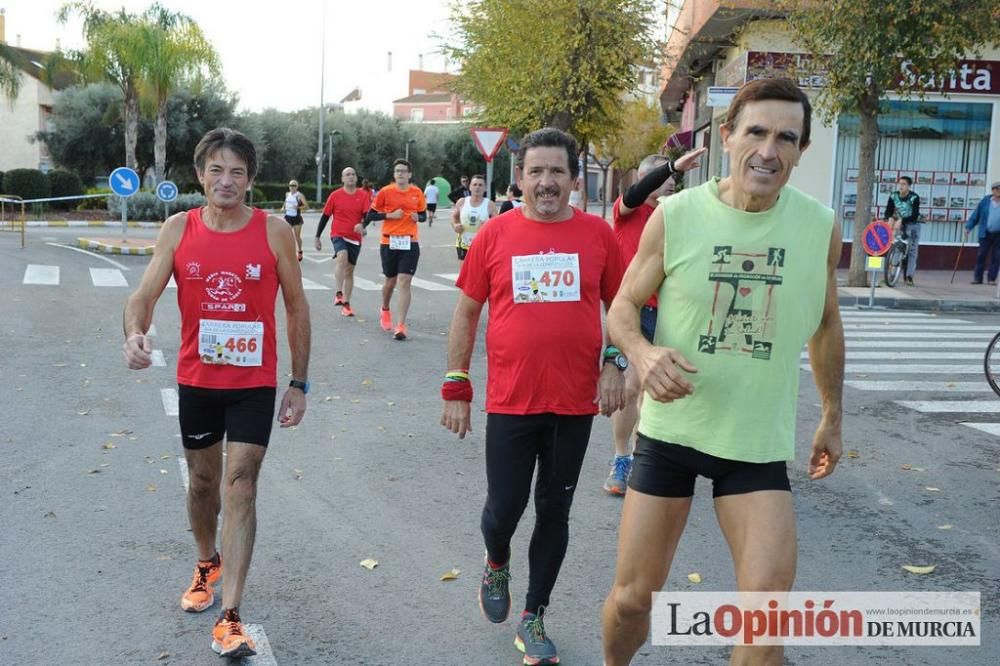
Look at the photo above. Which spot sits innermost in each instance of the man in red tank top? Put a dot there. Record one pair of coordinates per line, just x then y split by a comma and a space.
228, 261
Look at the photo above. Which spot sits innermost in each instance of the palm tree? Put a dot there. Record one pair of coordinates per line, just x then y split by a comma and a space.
114, 53
175, 49
10, 76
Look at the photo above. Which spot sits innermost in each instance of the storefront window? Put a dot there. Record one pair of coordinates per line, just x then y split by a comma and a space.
942, 145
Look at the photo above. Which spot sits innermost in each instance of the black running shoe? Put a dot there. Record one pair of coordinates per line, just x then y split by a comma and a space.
532, 641
494, 593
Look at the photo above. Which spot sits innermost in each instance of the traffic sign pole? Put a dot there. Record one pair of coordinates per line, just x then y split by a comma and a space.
124, 182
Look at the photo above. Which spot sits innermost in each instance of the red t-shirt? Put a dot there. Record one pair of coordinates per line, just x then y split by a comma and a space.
544, 355
628, 230
227, 283
347, 211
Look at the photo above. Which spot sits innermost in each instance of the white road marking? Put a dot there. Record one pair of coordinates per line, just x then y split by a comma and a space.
168, 397
107, 277
448, 276
901, 321
158, 360
92, 254
915, 344
41, 274
955, 328
991, 428
366, 285
911, 369
182, 464
910, 356
902, 386
431, 286
313, 286
172, 283
317, 261
264, 656
152, 330
906, 335
882, 313
882, 499
952, 406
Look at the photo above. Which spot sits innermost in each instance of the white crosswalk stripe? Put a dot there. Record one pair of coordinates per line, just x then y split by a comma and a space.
901, 344
431, 286
309, 285
107, 277
40, 274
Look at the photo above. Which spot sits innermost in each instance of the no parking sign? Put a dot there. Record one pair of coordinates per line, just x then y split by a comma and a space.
877, 238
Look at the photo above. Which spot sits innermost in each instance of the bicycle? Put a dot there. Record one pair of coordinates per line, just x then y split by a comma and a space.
896, 257
991, 364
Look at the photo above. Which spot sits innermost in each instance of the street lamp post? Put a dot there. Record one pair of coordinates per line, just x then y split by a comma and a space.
322, 112
329, 157
408, 142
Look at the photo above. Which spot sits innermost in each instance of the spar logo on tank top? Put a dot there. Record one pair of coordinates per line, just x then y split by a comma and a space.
223, 287
743, 320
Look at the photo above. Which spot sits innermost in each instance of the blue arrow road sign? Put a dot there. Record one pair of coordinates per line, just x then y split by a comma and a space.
166, 191
124, 181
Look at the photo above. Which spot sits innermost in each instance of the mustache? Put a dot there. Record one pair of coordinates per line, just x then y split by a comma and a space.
543, 191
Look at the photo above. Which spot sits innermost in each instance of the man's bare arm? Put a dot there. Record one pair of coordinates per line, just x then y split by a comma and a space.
642, 278
456, 415
826, 356
282, 241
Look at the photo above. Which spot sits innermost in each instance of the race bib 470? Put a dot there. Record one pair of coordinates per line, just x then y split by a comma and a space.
546, 278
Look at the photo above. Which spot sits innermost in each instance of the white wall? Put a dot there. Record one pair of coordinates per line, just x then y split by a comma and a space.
19, 120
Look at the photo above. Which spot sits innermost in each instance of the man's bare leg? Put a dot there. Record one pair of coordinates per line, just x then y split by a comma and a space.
387, 288
760, 530
648, 535
239, 522
403, 302
347, 281
339, 264
203, 499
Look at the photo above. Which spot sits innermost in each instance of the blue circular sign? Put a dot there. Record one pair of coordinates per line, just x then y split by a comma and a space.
166, 191
124, 181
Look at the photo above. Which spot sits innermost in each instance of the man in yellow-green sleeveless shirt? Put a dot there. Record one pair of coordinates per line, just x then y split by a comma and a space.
744, 268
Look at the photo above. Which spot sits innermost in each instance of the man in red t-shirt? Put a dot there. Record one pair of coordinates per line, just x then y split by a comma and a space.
630, 213
400, 206
228, 261
348, 206
545, 269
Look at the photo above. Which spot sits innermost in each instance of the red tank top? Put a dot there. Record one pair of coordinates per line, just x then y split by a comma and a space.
227, 283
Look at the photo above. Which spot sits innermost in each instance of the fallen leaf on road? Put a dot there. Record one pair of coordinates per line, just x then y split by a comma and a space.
163, 471
390, 403
165, 457
919, 469
59, 365
369, 564
151, 488
906, 467
83, 412
366, 381
409, 434
450, 575
355, 401
94, 471
932, 489
853, 454
944, 527
328, 398
50, 514
914, 569
694, 577
381, 428
163, 655
109, 446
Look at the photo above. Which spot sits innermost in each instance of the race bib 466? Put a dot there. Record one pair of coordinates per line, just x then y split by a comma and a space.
231, 342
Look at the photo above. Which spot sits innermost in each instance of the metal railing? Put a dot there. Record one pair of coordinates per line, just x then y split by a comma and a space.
8, 203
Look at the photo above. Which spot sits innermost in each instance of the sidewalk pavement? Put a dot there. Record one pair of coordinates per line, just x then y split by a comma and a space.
933, 290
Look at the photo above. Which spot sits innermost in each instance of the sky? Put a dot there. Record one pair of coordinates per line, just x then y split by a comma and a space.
271, 52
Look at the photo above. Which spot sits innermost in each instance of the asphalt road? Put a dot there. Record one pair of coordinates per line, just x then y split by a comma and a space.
94, 534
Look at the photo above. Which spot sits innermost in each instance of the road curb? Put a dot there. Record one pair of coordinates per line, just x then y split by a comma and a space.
91, 223
922, 304
110, 248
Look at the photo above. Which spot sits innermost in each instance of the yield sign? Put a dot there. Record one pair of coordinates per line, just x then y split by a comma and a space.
488, 140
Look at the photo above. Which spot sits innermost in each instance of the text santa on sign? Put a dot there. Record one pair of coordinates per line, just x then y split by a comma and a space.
488, 141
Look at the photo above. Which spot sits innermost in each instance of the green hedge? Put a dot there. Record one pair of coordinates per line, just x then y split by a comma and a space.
26, 183
145, 206
64, 184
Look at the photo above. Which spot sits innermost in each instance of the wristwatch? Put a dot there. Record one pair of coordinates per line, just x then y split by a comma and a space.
614, 355
302, 386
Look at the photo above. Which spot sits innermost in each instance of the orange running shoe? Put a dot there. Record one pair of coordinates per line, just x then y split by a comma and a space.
385, 318
229, 638
339, 298
346, 310
400, 333
201, 594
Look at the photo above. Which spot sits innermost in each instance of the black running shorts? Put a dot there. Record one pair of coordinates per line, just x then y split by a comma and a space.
294, 220
240, 415
669, 470
395, 262
352, 250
